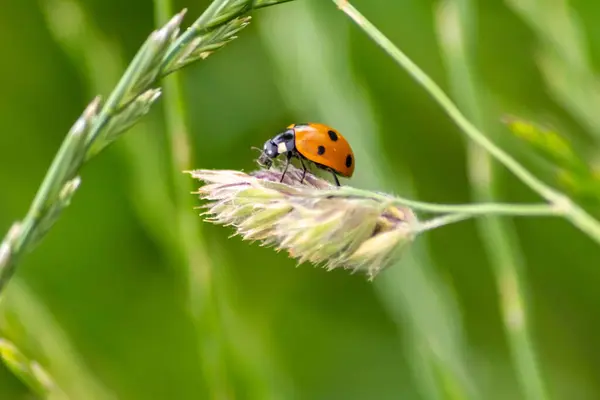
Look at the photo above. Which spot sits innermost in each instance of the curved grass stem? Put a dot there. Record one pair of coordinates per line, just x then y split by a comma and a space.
442, 221
529, 210
457, 31
522, 210
196, 265
571, 211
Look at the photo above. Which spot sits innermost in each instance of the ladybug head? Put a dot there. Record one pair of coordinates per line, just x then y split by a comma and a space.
268, 154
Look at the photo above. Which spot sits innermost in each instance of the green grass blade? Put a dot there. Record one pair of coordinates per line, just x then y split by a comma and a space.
26, 317
456, 26
197, 266
31, 373
564, 58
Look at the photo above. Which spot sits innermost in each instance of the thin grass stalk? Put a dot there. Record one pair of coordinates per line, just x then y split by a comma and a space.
474, 209
198, 268
572, 211
457, 30
411, 292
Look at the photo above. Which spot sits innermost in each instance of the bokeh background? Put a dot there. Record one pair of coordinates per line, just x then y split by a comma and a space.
110, 303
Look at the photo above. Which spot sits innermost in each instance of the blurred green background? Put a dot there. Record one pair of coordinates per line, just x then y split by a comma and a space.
102, 303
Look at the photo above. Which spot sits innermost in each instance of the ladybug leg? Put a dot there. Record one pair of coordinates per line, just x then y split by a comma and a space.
337, 182
287, 164
304, 172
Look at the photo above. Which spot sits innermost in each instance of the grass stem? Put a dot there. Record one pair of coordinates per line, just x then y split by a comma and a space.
530, 210
457, 30
442, 221
197, 269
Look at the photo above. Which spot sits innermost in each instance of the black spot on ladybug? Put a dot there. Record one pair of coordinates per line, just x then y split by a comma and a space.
321, 150
332, 135
349, 161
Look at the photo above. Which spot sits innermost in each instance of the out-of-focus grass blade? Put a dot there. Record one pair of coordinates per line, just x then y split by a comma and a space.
563, 58
250, 345
25, 317
324, 86
29, 371
456, 29
546, 142
572, 171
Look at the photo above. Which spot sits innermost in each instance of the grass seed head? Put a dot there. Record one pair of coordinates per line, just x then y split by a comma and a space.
314, 221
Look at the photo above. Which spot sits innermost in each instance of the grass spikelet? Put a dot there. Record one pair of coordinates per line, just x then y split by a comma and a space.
314, 221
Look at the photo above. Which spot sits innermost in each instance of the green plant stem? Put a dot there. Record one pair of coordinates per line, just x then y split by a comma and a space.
441, 221
531, 210
181, 156
457, 31
571, 211
198, 269
516, 210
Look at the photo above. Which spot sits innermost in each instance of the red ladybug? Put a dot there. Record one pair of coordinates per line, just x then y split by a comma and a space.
317, 143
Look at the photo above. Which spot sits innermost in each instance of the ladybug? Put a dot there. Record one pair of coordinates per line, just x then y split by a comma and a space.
314, 142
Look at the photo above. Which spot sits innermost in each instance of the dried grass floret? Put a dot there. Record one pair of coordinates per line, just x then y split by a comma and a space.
314, 221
